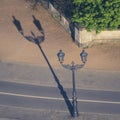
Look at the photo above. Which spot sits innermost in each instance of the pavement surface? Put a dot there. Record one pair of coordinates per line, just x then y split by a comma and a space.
58, 98
15, 113
43, 76
21, 61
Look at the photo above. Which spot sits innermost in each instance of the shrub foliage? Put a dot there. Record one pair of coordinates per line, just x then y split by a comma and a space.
97, 15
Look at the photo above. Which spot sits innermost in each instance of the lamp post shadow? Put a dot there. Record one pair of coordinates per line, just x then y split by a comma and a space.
60, 87
38, 40
38, 24
18, 25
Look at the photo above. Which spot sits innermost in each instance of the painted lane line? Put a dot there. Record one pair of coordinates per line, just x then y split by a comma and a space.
30, 96
53, 98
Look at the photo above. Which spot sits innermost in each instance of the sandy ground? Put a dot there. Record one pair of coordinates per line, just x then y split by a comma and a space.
15, 48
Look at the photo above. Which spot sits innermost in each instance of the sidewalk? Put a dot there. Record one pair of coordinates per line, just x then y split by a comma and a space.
37, 75
9, 113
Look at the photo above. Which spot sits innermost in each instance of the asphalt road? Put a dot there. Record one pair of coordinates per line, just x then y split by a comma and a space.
53, 98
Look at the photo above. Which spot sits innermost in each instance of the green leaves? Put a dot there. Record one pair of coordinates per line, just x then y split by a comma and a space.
97, 15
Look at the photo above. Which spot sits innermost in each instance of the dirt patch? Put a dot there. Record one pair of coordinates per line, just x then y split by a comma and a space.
14, 47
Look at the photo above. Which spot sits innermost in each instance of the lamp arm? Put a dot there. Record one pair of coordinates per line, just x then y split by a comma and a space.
79, 66
71, 67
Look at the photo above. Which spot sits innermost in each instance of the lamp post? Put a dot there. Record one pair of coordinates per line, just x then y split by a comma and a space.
73, 67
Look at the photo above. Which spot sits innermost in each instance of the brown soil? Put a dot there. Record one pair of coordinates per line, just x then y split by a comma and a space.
15, 48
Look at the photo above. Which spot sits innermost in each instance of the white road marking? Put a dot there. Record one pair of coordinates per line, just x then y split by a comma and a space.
53, 98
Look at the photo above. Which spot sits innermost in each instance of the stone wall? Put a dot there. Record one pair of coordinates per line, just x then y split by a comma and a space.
85, 38
79, 34
107, 36
59, 17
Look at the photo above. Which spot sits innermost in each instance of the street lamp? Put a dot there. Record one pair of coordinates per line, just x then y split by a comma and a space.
73, 67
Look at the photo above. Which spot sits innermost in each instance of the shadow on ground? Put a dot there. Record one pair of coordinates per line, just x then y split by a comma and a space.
38, 40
